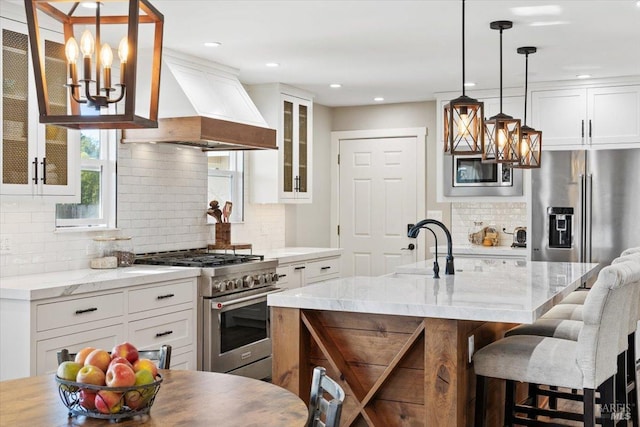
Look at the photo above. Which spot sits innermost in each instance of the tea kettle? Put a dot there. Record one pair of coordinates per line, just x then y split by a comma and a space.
519, 237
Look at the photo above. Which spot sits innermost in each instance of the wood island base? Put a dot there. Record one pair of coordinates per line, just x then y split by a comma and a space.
395, 370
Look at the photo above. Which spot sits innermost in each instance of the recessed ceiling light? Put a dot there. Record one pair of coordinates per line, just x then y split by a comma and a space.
469, 84
638, 3
550, 9
272, 64
547, 23
583, 76
378, 99
212, 44
335, 85
90, 4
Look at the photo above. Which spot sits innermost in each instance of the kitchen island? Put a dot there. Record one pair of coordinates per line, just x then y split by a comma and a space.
401, 344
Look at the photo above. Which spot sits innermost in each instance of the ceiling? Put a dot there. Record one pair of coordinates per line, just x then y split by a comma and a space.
404, 51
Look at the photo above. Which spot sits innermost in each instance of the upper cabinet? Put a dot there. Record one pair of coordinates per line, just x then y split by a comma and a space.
36, 160
587, 117
284, 176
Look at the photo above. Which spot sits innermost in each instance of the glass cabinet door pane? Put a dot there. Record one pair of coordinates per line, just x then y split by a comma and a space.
15, 150
302, 148
56, 147
287, 148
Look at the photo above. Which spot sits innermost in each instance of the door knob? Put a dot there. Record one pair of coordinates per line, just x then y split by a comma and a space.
409, 248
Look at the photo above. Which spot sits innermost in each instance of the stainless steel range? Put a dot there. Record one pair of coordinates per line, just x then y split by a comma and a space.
233, 317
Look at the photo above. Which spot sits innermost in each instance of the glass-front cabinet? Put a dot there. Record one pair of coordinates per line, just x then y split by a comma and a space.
284, 176
36, 160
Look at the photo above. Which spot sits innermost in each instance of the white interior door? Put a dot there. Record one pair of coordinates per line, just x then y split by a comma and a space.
378, 196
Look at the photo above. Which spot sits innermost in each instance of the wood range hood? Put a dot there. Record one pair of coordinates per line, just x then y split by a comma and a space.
203, 104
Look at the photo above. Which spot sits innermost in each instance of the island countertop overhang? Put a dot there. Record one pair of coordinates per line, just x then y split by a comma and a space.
493, 290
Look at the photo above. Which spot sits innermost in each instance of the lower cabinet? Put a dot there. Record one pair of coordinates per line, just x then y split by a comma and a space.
147, 315
297, 274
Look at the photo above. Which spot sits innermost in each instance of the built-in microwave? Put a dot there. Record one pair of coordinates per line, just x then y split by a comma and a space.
469, 176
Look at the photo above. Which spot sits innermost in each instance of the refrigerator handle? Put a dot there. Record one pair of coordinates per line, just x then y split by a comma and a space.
588, 207
582, 127
582, 248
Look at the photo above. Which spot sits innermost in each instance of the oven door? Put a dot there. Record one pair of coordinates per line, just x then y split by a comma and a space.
236, 331
469, 176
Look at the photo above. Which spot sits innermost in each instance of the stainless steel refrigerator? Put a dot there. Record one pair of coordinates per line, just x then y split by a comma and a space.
585, 205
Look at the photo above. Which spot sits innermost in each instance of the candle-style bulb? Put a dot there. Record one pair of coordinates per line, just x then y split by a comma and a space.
106, 55
71, 50
123, 50
87, 44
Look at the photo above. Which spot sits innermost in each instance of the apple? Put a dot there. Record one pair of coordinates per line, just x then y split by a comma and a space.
88, 399
146, 364
138, 399
120, 375
126, 350
90, 374
119, 359
108, 402
99, 359
82, 354
68, 370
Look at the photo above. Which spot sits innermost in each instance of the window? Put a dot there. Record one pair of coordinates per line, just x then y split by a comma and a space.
97, 183
226, 182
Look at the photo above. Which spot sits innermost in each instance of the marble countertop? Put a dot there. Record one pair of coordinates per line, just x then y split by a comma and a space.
299, 254
49, 285
496, 290
492, 251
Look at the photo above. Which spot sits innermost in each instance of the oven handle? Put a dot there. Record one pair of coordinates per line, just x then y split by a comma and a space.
252, 299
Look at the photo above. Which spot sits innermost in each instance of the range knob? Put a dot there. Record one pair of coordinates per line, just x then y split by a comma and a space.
260, 279
230, 284
247, 281
218, 286
274, 277
238, 283
267, 277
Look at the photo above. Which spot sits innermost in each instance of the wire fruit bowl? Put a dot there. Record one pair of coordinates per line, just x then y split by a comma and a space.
70, 394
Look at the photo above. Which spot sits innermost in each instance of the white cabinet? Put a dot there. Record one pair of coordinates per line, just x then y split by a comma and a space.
284, 176
36, 160
584, 117
296, 274
148, 316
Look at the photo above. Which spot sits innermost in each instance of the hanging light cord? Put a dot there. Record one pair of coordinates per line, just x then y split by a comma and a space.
501, 70
463, 87
526, 84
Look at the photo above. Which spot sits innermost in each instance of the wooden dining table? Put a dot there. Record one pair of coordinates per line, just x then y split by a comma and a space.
185, 398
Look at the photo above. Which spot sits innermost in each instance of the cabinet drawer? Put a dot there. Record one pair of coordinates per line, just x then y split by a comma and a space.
46, 350
175, 329
81, 310
322, 269
161, 296
184, 361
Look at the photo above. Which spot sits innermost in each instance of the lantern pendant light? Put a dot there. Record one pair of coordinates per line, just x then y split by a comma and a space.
530, 145
70, 99
502, 132
463, 119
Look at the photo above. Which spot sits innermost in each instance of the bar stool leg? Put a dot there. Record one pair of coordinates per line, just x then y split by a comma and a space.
589, 403
607, 400
632, 379
481, 400
509, 398
621, 382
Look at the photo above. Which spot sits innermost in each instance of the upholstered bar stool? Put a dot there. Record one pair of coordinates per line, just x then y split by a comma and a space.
559, 324
588, 363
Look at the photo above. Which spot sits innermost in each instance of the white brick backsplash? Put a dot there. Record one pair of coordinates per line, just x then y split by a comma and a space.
162, 202
498, 215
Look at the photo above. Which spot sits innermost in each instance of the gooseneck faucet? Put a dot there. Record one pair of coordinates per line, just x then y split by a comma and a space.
413, 233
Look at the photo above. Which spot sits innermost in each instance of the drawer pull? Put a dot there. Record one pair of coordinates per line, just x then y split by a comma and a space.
280, 276
165, 296
300, 268
162, 334
88, 310
324, 268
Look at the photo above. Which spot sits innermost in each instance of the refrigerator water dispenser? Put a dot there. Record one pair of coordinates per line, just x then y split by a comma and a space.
560, 227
